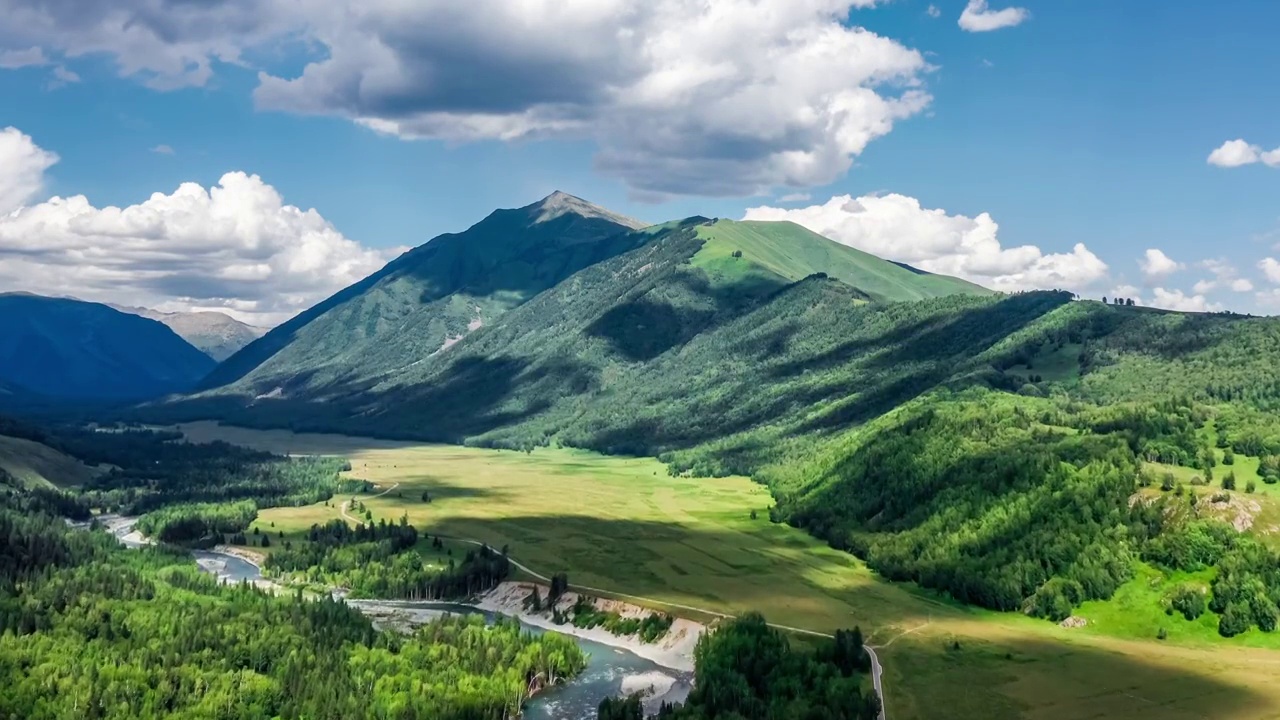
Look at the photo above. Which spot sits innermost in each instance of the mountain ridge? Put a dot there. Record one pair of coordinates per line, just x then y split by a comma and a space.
67, 349
216, 334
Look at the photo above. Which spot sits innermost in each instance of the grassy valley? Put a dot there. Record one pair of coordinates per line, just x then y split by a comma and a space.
1020, 498
626, 525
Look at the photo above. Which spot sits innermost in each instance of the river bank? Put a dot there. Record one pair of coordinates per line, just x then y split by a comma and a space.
660, 672
674, 650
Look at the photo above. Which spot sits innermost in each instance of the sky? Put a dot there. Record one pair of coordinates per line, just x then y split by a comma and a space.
255, 156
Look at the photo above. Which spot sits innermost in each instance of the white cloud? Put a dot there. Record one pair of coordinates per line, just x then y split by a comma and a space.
62, 75
1127, 291
979, 17
709, 97
235, 247
1271, 268
29, 57
794, 197
934, 11
897, 228
22, 166
1177, 300
1155, 264
1203, 286
167, 44
1237, 153
162, 150
1225, 275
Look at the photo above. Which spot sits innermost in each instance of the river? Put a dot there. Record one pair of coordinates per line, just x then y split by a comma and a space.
609, 670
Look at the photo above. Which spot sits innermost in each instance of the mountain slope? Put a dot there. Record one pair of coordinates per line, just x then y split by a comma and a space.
602, 358
783, 249
213, 333
429, 298
71, 350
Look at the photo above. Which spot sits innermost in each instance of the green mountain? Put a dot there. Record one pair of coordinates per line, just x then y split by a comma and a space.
399, 325
65, 349
752, 249
428, 299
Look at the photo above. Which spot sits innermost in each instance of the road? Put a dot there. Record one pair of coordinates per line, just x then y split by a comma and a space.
877, 670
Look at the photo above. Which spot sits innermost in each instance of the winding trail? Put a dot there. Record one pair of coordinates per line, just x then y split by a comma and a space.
877, 670
347, 503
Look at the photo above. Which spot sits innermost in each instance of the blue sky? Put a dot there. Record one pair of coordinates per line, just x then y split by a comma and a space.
1089, 122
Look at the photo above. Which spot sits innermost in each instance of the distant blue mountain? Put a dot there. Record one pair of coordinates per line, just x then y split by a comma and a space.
65, 349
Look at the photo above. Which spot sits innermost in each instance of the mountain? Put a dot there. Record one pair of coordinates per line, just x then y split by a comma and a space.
430, 297
71, 350
1026, 452
734, 250
490, 342
213, 333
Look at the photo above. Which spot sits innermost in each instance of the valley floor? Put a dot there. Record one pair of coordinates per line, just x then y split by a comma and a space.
624, 523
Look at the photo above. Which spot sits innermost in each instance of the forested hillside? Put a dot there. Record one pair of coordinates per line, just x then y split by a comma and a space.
121, 633
55, 349
427, 300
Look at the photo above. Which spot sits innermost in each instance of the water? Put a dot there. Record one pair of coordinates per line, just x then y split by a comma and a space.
608, 670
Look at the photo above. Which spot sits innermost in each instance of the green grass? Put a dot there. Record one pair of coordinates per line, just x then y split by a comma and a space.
791, 252
1058, 365
37, 465
625, 525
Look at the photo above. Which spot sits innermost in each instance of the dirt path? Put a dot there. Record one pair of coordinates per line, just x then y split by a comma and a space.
347, 503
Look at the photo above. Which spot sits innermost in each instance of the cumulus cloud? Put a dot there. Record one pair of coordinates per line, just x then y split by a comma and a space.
934, 11
710, 97
22, 166
1177, 300
897, 228
29, 57
1238, 153
235, 247
168, 44
1241, 285
979, 17
1155, 264
1271, 268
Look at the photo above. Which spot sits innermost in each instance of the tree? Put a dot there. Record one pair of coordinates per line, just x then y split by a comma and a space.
628, 708
1167, 482
1229, 481
1228, 457
1236, 618
559, 586
426, 496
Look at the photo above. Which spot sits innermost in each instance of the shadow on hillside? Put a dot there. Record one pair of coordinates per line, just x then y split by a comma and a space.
644, 327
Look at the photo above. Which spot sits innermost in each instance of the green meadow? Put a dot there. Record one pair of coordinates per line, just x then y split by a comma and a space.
625, 525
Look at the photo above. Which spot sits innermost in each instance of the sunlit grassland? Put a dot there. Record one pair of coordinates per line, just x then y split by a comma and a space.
626, 525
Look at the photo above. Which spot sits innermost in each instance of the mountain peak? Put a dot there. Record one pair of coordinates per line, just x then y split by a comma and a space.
560, 203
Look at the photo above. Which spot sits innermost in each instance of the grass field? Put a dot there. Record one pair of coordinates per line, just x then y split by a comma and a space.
625, 524
34, 464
